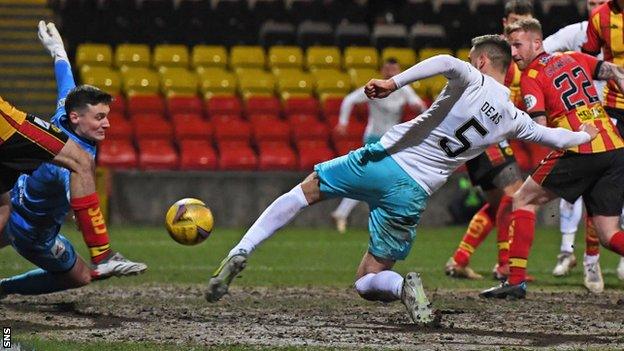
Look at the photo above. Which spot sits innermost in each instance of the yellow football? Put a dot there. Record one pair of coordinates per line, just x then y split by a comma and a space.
189, 221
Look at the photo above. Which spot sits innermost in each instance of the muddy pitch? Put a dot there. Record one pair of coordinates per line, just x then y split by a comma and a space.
335, 318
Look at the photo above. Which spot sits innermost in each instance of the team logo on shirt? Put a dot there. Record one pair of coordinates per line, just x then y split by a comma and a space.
530, 101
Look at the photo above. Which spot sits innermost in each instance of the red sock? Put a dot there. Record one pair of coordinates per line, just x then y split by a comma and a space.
592, 244
478, 229
91, 223
616, 244
503, 220
522, 231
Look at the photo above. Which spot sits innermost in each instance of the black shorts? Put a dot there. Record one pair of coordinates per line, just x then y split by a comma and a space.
597, 177
618, 115
34, 142
495, 160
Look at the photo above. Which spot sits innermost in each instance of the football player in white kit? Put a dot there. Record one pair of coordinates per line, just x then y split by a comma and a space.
396, 175
382, 115
571, 38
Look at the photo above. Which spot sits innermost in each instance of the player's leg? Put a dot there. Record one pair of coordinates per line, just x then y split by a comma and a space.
341, 213
569, 217
60, 267
592, 274
5, 209
620, 267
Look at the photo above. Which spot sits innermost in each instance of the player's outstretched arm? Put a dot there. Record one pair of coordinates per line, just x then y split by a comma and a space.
610, 71
557, 138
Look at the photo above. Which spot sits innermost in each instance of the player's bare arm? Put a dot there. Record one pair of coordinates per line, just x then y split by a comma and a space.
379, 88
611, 71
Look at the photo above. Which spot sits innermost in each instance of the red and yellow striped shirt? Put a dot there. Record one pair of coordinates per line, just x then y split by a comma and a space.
9, 118
512, 81
560, 86
605, 31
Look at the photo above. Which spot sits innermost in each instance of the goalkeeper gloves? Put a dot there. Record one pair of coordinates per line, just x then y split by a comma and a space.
51, 39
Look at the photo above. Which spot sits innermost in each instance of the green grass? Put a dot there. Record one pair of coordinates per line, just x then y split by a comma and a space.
300, 257
321, 257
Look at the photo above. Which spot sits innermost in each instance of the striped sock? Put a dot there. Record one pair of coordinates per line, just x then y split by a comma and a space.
480, 226
522, 232
592, 244
503, 220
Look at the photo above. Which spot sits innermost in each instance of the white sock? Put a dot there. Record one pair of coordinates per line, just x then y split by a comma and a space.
345, 207
386, 285
569, 217
622, 219
567, 242
277, 215
590, 259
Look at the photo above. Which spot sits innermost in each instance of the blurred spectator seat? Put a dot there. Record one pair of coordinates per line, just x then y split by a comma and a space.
276, 33
104, 78
140, 81
236, 156
170, 56
117, 153
295, 84
178, 81
268, 105
405, 56
312, 152
311, 33
216, 81
157, 154
255, 82
247, 57
184, 104
332, 83
361, 57
285, 57
270, 130
352, 34
427, 35
94, 55
385, 35
223, 105
190, 126
361, 76
120, 127
151, 126
146, 104
197, 155
276, 155
129, 55
318, 57
208, 56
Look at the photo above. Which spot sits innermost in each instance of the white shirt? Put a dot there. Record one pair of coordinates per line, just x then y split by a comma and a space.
472, 112
382, 114
571, 38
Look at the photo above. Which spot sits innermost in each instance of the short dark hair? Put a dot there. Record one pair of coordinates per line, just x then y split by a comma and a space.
519, 7
391, 60
495, 47
83, 95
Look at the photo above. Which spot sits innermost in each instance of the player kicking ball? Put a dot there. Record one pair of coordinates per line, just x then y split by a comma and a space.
40, 201
396, 175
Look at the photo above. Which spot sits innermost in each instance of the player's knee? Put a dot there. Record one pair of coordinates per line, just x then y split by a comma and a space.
83, 279
311, 189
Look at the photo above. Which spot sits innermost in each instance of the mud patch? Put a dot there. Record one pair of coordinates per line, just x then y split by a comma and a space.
335, 318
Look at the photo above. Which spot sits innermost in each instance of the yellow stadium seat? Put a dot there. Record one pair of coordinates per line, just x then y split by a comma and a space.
361, 76
463, 54
320, 57
405, 56
330, 82
129, 55
217, 81
255, 82
94, 55
361, 57
426, 53
295, 84
178, 81
104, 78
247, 57
430, 87
170, 56
205, 56
140, 81
285, 57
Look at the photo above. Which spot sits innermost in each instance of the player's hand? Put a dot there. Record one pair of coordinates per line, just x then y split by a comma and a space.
51, 39
341, 129
379, 88
589, 129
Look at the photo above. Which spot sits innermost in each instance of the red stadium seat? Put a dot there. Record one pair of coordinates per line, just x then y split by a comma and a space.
331, 106
157, 154
312, 130
276, 156
224, 118
146, 104
361, 112
184, 104
197, 154
232, 130
120, 127
151, 126
191, 126
307, 105
299, 118
313, 152
118, 105
344, 146
267, 130
263, 104
223, 105
236, 156
255, 117
117, 153
355, 132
